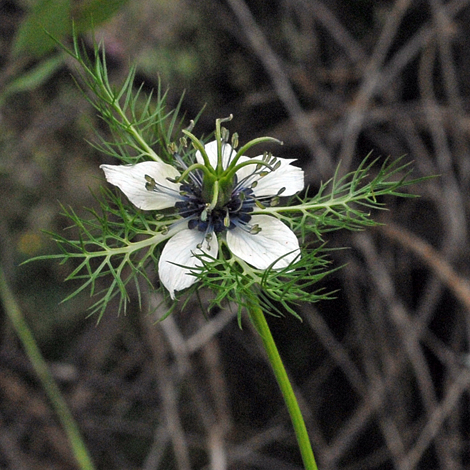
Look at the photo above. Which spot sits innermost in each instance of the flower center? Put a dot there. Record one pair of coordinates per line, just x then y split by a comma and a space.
206, 217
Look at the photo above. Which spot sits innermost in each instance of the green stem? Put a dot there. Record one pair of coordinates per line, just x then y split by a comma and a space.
40, 366
259, 320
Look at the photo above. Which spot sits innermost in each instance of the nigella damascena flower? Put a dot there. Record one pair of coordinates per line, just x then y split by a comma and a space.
219, 199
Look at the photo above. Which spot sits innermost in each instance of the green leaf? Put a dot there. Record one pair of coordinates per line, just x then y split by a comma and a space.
94, 12
34, 77
52, 16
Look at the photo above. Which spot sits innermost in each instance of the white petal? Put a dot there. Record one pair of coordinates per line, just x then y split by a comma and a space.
179, 249
130, 179
211, 149
264, 248
286, 176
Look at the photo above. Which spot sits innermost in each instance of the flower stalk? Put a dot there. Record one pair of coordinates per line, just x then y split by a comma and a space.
258, 318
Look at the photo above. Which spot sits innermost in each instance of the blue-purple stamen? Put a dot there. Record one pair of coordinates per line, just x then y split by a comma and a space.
235, 213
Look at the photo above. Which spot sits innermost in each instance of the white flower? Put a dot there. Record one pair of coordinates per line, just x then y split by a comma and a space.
258, 239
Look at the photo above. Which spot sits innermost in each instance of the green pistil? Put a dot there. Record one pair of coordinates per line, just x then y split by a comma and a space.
251, 143
198, 145
221, 138
207, 192
215, 196
233, 169
197, 166
226, 184
217, 192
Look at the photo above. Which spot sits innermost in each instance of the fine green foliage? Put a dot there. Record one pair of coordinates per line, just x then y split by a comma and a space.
233, 280
137, 123
347, 202
119, 245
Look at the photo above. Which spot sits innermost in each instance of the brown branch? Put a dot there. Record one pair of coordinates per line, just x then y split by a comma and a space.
433, 259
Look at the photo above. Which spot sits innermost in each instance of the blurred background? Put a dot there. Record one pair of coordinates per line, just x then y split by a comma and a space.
382, 371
